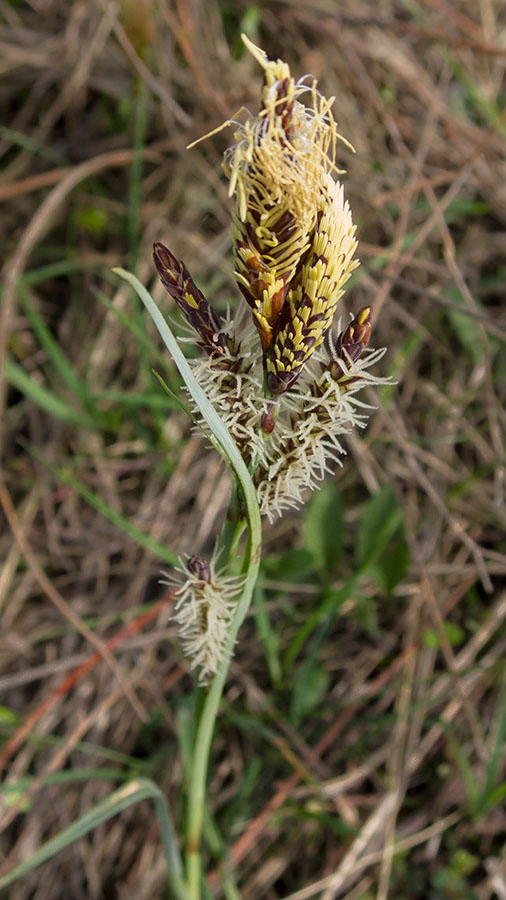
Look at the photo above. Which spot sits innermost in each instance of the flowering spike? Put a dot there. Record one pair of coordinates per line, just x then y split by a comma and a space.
278, 172
287, 398
200, 568
315, 290
204, 607
352, 342
350, 346
176, 278
269, 417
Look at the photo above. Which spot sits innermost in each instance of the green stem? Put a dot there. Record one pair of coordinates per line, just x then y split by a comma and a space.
229, 448
229, 539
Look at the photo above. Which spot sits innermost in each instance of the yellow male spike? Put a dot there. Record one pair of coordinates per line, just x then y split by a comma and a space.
315, 290
277, 170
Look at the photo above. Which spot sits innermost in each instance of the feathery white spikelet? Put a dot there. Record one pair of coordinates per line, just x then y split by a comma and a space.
305, 444
235, 388
204, 608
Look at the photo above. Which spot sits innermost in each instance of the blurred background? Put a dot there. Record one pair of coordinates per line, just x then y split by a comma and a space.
360, 752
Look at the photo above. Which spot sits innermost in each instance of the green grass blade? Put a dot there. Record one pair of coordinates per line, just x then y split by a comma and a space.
329, 606
267, 635
33, 146
134, 327
218, 428
109, 513
57, 269
177, 400
141, 789
382, 520
42, 397
54, 352
494, 762
142, 399
252, 561
12, 791
135, 766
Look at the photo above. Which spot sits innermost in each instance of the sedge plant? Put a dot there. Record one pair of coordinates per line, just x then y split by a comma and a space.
273, 386
270, 385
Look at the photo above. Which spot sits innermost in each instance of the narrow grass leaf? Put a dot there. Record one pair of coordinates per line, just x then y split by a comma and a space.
134, 792
140, 115
177, 400
15, 789
35, 147
327, 608
468, 776
267, 635
42, 397
465, 328
380, 521
53, 349
143, 399
218, 428
196, 801
109, 513
496, 757
494, 798
135, 329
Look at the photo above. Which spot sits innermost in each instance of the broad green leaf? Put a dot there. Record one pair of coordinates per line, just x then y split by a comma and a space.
323, 528
293, 566
393, 565
310, 686
380, 520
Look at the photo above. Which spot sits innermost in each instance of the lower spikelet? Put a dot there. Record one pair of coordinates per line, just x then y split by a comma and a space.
204, 608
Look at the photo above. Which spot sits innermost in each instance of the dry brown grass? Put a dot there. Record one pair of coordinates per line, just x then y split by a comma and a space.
420, 93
